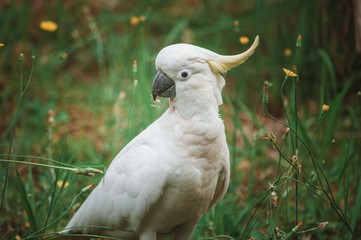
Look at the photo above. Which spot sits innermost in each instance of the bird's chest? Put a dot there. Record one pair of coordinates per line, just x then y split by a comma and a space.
196, 157
197, 139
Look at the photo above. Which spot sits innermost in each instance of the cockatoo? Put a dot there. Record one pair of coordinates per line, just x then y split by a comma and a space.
164, 180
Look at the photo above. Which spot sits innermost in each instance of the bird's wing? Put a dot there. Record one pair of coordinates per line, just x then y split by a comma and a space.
222, 185
132, 185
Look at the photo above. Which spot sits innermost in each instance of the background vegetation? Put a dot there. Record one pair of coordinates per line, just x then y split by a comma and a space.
73, 96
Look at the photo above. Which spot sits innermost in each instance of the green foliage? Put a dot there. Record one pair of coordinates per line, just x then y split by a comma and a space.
295, 167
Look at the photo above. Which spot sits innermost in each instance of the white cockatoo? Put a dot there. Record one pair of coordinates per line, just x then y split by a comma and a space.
166, 178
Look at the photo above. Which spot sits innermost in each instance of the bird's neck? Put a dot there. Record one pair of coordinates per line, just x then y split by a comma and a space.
201, 107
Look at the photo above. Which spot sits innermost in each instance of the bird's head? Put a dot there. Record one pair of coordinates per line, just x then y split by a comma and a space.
185, 68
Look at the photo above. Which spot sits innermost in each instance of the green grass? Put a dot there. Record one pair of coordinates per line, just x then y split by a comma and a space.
299, 184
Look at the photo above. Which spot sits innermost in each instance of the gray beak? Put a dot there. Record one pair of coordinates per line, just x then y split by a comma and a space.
163, 86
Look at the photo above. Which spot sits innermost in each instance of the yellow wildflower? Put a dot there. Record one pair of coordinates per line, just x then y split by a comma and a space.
325, 108
289, 73
60, 183
243, 40
1, 44
135, 20
48, 26
287, 52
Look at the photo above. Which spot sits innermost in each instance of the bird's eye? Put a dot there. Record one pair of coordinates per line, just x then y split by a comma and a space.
184, 74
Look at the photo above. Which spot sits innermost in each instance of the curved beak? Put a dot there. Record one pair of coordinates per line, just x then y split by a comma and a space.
163, 86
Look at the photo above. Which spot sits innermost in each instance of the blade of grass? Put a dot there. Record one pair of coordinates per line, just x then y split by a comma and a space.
54, 185
30, 187
25, 203
21, 102
254, 212
175, 31
81, 171
7, 166
331, 69
335, 108
36, 233
295, 102
356, 210
52, 198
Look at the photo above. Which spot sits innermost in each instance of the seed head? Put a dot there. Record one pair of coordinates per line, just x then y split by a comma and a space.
21, 57
325, 108
274, 198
